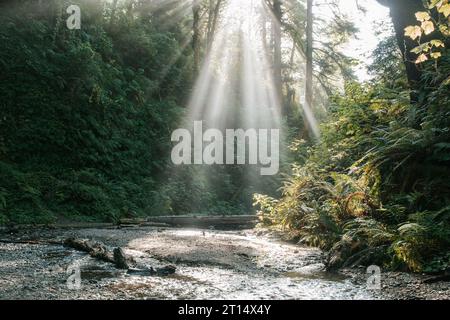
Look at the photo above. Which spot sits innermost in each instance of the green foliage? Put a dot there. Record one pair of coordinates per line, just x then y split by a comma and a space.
86, 117
84, 131
387, 67
377, 184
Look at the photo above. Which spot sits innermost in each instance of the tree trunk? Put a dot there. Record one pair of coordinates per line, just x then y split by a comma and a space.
196, 34
277, 53
130, 8
309, 66
403, 15
212, 21
309, 55
209, 25
264, 32
113, 13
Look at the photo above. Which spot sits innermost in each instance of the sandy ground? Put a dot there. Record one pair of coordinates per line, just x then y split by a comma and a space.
210, 265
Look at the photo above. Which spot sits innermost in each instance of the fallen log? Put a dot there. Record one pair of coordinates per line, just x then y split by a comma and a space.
216, 222
94, 248
40, 242
445, 277
117, 256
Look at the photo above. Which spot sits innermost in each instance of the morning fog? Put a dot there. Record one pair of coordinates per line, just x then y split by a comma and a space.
237, 146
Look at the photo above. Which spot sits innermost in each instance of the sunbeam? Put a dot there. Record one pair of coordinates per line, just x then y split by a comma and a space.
237, 45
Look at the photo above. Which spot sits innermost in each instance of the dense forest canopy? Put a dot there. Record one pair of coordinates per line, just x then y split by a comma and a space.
87, 113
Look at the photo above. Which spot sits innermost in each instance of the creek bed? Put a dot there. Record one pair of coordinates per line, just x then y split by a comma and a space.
210, 265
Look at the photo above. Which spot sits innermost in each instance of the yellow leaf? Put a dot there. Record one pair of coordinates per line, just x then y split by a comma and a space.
437, 43
413, 32
428, 27
422, 16
435, 3
444, 29
445, 10
446, 81
421, 58
436, 55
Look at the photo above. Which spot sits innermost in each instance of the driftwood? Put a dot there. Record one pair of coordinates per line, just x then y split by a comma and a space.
123, 223
95, 249
41, 242
117, 256
217, 222
438, 278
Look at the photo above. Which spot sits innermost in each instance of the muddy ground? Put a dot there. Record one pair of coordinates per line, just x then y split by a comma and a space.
210, 265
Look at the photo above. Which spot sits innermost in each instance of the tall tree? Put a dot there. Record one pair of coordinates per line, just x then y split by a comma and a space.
113, 13
277, 64
196, 34
403, 15
309, 55
213, 16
